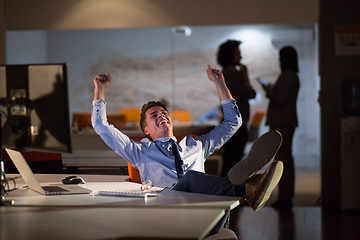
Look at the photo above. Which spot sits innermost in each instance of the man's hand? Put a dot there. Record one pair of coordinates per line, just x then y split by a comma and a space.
267, 88
215, 75
218, 79
101, 82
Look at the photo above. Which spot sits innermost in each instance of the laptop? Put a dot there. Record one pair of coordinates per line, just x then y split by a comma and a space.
29, 178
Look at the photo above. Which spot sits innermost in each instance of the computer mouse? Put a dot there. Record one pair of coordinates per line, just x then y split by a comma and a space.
73, 180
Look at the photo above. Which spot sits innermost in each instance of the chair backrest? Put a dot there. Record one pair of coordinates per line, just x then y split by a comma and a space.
131, 114
180, 116
117, 119
134, 174
81, 119
257, 118
255, 124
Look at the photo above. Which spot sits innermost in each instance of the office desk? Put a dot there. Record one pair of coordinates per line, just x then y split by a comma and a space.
167, 198
106, 223
171, 215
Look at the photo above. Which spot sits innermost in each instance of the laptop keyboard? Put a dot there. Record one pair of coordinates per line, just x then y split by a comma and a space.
54, 189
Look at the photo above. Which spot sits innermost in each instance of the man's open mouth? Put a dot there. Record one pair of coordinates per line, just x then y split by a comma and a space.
163, 122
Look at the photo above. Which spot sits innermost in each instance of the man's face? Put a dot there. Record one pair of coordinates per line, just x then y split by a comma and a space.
158, 123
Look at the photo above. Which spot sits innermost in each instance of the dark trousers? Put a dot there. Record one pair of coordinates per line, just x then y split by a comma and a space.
234, 149
287, 182
198, 182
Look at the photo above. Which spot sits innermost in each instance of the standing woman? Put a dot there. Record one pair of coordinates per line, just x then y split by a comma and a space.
237, 80
282, 116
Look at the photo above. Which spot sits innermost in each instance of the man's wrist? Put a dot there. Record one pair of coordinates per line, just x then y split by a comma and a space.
96, 101
225, 101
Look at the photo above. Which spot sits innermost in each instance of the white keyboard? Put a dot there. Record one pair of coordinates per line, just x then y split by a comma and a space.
128, 194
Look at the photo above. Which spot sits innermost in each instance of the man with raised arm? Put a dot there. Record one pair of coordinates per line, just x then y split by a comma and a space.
179, 165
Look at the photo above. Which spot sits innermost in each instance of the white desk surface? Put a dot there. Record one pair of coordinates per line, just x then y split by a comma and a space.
106, 223
167, 198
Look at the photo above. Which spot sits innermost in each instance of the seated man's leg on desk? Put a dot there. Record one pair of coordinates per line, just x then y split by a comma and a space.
198, 182
256, 190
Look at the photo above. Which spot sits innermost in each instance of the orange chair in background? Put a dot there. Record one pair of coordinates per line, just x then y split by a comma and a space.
255, 124
81, 119
117, 119
180, 116
131, 114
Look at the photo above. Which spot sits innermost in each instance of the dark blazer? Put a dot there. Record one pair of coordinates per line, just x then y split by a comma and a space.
283, 96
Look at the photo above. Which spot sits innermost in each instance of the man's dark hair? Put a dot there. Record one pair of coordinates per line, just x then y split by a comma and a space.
225, 54
289, 59
144, 108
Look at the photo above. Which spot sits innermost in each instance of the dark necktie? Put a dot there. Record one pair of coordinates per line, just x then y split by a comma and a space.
178, 161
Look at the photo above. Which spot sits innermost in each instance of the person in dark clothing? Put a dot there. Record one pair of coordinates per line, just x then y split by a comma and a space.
237, 80
282, 116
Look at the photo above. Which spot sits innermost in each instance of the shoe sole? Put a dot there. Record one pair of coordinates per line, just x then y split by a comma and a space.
257, 158
270, 184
